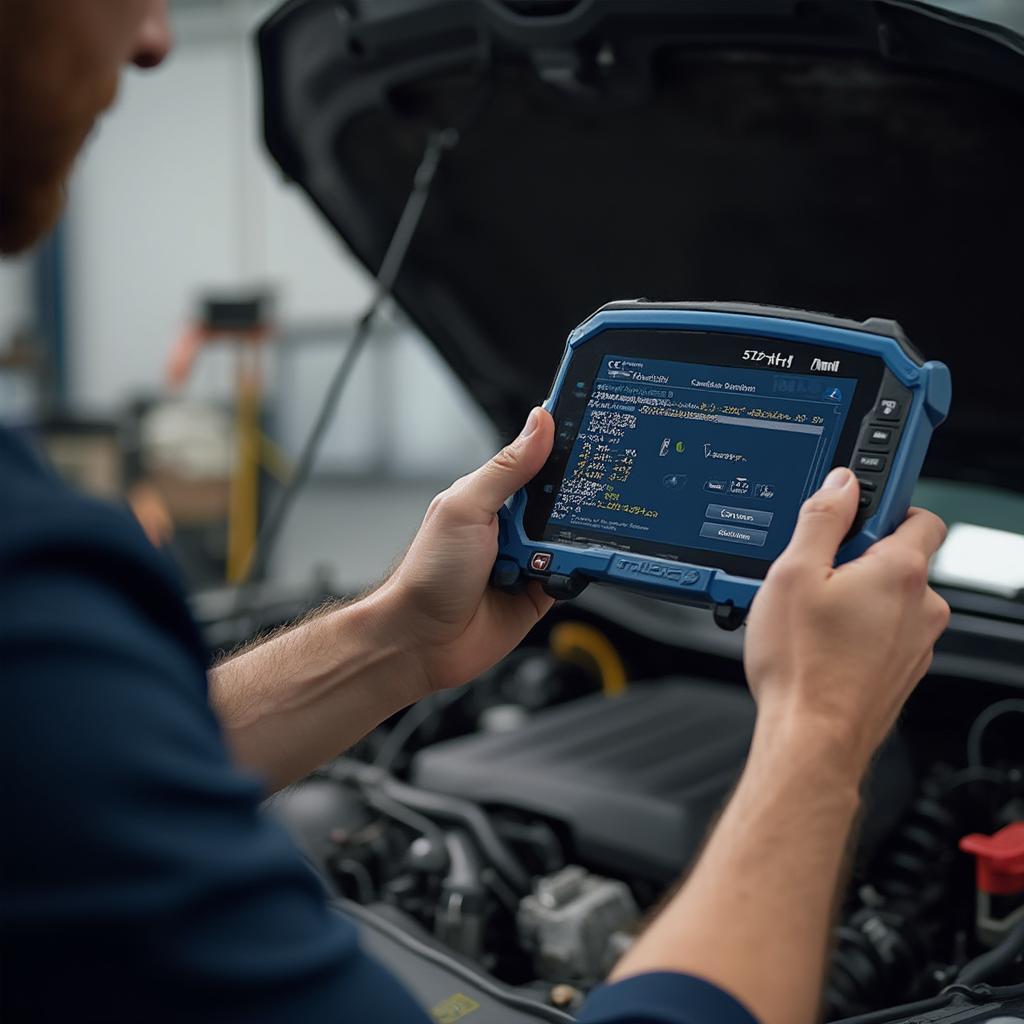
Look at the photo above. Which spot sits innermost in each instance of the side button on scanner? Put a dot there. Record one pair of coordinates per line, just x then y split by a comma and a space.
879, 436
540, 560
888, 409
869, 462
564, 588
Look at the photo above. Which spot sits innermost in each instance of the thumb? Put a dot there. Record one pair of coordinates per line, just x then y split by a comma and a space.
514, 466
825, 519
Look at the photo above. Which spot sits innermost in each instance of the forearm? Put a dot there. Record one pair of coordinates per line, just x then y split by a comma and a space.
755, 914
303, 696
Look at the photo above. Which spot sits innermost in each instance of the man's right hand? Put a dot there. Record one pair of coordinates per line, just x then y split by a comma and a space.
841, 649
831, 655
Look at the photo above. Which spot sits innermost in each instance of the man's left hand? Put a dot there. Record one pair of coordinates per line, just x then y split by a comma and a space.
438, 599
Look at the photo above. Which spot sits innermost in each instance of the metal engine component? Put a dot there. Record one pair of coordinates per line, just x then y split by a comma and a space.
635, 779
321, 816
574, 923
462, 905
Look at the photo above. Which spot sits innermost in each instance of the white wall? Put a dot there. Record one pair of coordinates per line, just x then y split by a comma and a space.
175, 194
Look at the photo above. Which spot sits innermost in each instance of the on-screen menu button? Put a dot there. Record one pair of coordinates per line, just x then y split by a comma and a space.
741, 516
734, 534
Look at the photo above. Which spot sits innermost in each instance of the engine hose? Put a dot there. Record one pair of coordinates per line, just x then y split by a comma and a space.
582, 644
403, 815
980, 994
883, 946
894, 1013
875, 960
981, 968
441, 805
923, 847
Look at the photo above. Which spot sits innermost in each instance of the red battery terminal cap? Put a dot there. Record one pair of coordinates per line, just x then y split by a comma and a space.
1000, 859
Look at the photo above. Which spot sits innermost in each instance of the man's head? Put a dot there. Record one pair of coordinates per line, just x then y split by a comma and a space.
60, 61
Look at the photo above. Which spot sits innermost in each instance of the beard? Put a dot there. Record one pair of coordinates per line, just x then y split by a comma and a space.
45, 117
28, 211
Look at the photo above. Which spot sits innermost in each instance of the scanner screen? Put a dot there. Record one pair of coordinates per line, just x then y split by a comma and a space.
670, 455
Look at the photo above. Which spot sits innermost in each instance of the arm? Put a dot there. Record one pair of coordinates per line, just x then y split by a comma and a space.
831, 655
298, 699
754, 916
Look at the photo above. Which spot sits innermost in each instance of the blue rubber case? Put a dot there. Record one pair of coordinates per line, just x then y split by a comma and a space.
572, 566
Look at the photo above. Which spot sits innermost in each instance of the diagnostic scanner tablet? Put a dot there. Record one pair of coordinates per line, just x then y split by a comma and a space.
687, 435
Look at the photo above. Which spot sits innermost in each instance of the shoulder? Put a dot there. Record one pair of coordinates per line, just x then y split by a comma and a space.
101, 667
68, 561
137, 861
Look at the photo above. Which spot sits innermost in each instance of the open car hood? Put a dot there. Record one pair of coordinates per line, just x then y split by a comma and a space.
861, 158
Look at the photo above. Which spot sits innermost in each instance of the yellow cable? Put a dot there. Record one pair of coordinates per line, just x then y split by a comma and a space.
582, 644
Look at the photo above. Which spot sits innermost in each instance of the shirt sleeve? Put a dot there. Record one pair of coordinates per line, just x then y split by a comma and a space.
663, 997
140, 881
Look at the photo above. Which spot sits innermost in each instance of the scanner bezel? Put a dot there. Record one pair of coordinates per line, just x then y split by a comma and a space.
690, 345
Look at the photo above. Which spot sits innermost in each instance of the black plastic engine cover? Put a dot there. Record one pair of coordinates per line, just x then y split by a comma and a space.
635, 779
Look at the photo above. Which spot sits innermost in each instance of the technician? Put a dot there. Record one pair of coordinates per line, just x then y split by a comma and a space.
141, 883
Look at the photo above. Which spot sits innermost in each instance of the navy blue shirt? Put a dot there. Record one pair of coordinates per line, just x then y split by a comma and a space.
140, 881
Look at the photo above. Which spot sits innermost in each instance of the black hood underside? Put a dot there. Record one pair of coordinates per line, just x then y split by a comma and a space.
855, 158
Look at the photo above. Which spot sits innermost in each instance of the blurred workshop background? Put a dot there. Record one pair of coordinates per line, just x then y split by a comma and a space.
172, 344
95, 335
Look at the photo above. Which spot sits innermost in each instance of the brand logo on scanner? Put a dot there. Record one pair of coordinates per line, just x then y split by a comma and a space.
755, 355
624, 367
825, 365
664, 572
631, 370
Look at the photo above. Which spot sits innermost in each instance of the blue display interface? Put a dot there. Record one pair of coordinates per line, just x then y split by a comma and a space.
673, 455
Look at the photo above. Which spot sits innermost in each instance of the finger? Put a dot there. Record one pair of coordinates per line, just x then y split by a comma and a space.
938, 613
518, 613
921, 531
542, 604
489, 487
825, 519
936, 618
922, 668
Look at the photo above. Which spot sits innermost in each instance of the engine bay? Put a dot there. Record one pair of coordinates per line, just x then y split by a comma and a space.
506, 840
